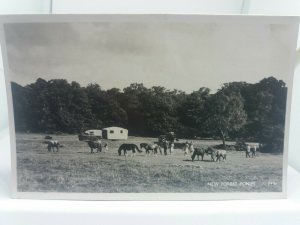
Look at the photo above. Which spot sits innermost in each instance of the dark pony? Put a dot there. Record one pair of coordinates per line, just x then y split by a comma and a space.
95, 145
212, 152
198, 152
52, 144
144, 145
128, 147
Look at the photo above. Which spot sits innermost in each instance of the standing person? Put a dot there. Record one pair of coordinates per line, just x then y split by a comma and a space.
165, 146
171, 147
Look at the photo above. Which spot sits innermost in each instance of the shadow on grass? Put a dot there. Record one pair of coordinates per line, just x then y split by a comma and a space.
205, 160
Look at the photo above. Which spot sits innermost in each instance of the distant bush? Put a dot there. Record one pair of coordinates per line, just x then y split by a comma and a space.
227, 147
240, 146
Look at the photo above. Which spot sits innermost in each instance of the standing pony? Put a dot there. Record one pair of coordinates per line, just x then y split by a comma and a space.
151, 147
95, 145
198, 152
220, 154
212, 152
53, 144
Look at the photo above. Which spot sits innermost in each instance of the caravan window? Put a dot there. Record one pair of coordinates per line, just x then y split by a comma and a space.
111, 131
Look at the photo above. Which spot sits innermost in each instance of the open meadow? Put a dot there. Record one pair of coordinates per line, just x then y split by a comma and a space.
75, 169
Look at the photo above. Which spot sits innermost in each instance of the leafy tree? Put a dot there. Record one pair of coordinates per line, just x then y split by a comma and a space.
271, 107
21, 107
225, 113
131, 102
192, 113
253, 112
95, 98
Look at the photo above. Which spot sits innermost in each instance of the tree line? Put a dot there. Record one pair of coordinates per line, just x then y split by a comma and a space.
238, 110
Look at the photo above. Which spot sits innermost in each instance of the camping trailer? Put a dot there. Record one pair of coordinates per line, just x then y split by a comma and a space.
115, 133
89, 135
94, 132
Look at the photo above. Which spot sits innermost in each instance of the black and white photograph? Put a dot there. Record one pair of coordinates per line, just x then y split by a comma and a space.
161, 104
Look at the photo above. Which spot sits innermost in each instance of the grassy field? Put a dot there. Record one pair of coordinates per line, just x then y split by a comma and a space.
75, 169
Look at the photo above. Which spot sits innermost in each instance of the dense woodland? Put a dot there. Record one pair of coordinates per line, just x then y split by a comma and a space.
237, 111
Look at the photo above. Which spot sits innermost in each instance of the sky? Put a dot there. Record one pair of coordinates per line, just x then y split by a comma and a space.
183, 56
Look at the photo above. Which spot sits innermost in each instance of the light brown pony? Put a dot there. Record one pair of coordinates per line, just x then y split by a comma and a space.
220, 154
151, 147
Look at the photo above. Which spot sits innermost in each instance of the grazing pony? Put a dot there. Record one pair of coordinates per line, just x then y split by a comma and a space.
151, 147
95, 145
219, 154
53, 144
128, 147
198, 152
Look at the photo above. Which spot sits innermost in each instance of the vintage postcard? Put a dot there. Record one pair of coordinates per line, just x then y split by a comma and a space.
149, 107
